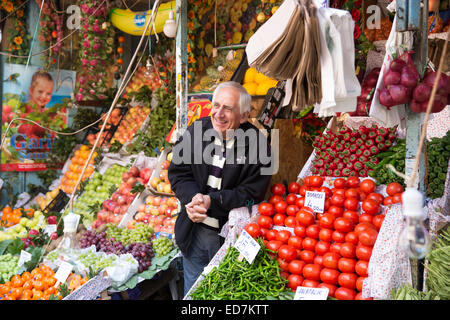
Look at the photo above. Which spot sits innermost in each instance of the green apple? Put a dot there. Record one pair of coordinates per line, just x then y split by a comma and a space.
23, 221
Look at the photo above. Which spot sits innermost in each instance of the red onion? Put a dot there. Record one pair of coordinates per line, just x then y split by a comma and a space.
422, 92
430, 78
439, 103
391, 77
397, 65
409, 78
399, 94
370, 80
415, 106
385, 98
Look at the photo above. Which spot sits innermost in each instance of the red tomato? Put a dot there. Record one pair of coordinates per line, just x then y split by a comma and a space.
359, 283
274, 245
306, 180
397, 198
377, 221
311, 271
336, 211
278, 189
310, 283
296, 266
362, 226
329, 276
293, 187
292, 210
348, 250
274, 199
343, 293
253, 229
352, 215
287, 252
271, 234
294, 281
393, 188
330, 260
291, 198
290, 222
367, 186
283, 264
348, 280
309, 243
278, 219
265, 222
378, 197
283, 236
300, 231
352, 193
318, 260
388, 201
327, 221
295, 241
263, 233
352, 237
300, 202
326, 190
336, 247
346, 265
266, 209
280, 207
325, 234
312, 231
316, 181
322, 247
352, 182
370, 206
340, 183
305, 218
342, 224
338, 237
360, 297
338, 191
331, 288
364, 217
326, 204
284, 274
337, 200
363, 252
362, 195
303, 190
361, 268
351, 204
319, 215
368, 237
307, 256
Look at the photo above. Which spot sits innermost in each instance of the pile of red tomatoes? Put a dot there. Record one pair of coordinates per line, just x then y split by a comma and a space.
330, 249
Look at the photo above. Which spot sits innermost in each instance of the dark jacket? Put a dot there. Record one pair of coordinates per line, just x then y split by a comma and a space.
241, 181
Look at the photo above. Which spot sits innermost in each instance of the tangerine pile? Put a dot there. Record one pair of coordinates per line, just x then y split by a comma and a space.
11, 217
71, 176
35, 285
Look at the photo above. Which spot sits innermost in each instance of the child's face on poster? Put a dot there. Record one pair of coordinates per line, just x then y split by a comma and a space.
41, 92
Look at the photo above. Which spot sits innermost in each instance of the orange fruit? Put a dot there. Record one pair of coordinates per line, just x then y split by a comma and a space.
27, 294
4, 289
28, 285
7, 210
120, 61
26, 276
8, 297
119, 50
50, 290
17, 211
16, 292
16, 281
37, 294
121, 39
39, 276
49, 282
29, 212
38, 285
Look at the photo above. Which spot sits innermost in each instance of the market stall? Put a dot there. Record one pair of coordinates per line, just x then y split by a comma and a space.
358, 116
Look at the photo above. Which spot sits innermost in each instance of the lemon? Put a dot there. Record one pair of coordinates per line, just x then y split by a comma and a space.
263, 87
251, 87
250, 75
260, 78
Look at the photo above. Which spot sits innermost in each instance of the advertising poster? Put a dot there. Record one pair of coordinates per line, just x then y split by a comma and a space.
31, 93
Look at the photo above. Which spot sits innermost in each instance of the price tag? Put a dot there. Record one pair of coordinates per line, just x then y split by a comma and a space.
50, 228
306, 293
63, 272
24, 257
291, 230
315, 200
247, 246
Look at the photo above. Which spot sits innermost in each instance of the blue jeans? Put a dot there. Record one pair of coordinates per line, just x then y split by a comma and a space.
205, 244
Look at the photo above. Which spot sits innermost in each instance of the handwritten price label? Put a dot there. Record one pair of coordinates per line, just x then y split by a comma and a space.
247, 246
315, 200
306, 293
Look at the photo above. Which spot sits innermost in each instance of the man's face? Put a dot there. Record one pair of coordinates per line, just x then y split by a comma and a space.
225, 113
41, 92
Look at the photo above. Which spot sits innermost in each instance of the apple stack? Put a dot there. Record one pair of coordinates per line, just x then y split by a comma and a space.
130, 124
160, 183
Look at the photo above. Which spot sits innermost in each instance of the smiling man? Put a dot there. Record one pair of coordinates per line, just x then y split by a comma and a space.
223, 180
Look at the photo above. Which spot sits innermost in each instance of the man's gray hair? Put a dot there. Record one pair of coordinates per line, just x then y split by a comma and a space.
244, 97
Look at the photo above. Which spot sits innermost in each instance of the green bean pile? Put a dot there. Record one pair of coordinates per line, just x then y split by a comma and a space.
438, 154
395, 155
239, 280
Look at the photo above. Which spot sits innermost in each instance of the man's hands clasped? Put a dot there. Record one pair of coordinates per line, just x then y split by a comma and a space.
196, 209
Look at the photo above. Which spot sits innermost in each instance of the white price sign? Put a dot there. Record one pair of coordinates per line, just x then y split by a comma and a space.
50, 228
24, 257
63, 272
315, 200
306, 293
247, 246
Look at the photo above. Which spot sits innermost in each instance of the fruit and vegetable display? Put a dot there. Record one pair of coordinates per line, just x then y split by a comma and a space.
162, 246
130, 124
159, 181
113, 121
382, 33
438, 155
394, 156
347, 152
364, 101
26, 226
141, 78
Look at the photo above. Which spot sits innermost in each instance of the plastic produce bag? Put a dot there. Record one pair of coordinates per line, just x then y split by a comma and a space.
122, 269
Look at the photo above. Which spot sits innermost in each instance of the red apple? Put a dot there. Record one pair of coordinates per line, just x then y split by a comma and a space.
125, 176
134, 171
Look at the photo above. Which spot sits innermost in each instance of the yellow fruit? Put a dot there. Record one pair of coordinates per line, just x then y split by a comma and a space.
261, 17
208, 49
237, 37
251, 87
274, 9
260, 78
250, 75
265, 86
